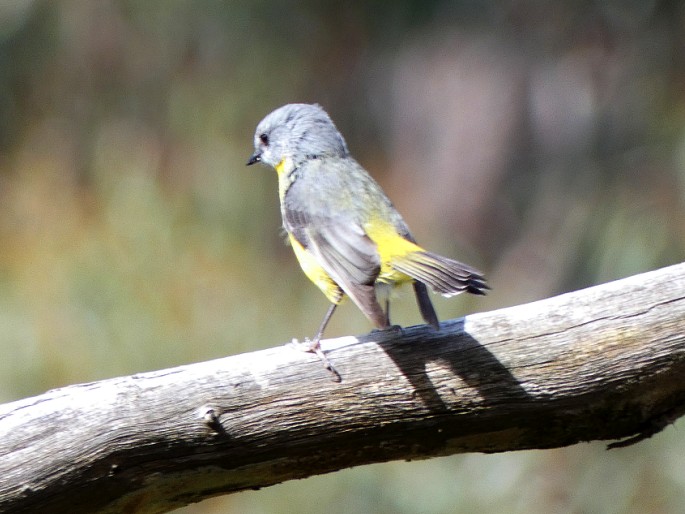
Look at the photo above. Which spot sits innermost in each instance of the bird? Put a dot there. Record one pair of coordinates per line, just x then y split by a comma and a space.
346, 234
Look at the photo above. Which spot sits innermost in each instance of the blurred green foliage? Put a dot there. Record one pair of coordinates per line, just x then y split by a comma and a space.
543, 142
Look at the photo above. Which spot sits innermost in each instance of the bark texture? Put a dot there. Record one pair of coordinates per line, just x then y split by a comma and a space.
604, 363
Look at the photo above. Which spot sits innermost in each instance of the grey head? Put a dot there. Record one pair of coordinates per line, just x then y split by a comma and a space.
298, 132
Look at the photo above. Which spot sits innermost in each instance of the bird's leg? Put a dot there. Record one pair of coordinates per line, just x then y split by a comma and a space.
315, 344
388, 325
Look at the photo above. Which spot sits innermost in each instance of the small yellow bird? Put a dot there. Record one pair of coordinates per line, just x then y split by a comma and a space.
346, 234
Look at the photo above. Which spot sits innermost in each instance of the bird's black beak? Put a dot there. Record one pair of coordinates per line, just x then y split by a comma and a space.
255, 157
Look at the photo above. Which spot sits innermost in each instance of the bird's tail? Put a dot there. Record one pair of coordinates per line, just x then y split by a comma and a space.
445, 276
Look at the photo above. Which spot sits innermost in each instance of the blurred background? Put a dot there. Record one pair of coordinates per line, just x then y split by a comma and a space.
543, 142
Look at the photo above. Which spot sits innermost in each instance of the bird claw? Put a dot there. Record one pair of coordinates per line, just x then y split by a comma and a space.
390, 330
315, 348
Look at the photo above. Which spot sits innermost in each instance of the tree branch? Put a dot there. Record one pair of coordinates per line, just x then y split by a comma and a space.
603, 363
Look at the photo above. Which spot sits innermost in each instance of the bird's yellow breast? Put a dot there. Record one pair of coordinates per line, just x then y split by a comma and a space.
315, 272
283, 170
390, 245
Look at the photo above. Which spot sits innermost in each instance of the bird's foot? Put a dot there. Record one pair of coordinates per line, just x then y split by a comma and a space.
390, 330
315, 348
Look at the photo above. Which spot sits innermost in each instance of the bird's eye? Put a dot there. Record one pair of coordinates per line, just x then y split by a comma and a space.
264, 139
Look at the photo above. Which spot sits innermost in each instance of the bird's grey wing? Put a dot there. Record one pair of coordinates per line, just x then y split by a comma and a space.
340, 246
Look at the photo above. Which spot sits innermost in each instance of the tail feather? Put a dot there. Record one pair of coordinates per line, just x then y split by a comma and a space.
445, 276
425, 306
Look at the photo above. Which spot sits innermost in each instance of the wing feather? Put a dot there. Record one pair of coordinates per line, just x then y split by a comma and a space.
343, 250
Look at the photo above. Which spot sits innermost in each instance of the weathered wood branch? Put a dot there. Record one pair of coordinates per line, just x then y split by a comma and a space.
603, 363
